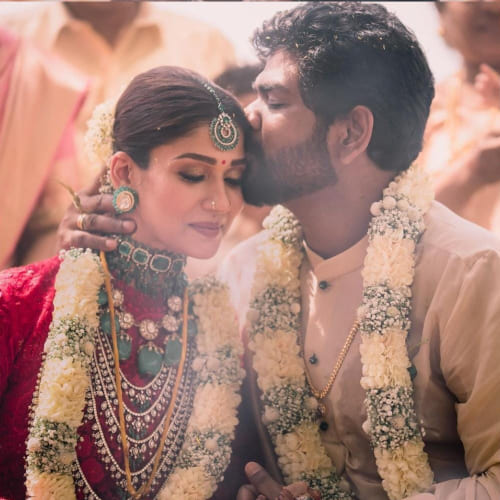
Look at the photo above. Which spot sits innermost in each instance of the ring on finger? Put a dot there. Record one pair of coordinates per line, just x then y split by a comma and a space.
80, 222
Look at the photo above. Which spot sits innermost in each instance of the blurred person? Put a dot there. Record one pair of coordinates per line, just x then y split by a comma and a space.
239, 81
462, 140
40, 98
109, 42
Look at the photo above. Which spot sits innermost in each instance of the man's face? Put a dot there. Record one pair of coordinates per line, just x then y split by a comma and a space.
290, 157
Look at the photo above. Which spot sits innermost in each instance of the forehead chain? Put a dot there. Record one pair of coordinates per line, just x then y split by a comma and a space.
223, 131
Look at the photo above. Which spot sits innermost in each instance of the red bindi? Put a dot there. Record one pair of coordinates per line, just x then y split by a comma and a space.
223, 162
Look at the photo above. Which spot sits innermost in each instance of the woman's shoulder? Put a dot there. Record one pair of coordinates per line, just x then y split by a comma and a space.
26, 295
23, 282
25, 292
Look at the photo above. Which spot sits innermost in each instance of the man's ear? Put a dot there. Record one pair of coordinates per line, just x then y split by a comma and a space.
348, 137
120, 169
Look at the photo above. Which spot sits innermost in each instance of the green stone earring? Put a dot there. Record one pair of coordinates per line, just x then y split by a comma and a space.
125, 200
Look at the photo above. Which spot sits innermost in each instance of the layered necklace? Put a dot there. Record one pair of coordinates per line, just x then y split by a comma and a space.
290, 404
169, 435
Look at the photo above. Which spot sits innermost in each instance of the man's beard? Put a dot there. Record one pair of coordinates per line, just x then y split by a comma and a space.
289, 173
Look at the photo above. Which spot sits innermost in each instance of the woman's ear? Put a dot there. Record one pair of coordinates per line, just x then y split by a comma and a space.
348, 137
120, 169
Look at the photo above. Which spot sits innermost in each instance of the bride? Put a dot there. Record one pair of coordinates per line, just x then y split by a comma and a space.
118, 379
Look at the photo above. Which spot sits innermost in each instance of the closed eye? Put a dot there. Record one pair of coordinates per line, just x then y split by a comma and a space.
234, 182
275, 105
191, 178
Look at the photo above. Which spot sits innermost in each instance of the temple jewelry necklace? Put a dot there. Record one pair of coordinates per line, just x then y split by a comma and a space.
321, 394
144, 489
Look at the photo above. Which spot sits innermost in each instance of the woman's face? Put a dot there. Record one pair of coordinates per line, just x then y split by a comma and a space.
189, 194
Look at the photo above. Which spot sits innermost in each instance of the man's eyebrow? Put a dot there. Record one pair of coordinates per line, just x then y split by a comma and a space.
209, 159
268, 87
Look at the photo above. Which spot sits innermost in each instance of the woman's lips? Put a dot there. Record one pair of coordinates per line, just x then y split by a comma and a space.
208, 229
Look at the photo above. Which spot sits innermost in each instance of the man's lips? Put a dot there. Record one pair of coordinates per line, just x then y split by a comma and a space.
209, 229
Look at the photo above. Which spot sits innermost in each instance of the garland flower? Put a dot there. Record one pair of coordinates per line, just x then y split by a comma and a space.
59, 400
98, 140
206, 452
289, 409
64, 379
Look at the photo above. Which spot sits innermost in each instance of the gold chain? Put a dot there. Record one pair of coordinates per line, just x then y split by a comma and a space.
144, 489
322, 393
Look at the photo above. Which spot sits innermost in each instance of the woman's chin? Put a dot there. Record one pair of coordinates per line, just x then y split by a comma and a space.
203, 253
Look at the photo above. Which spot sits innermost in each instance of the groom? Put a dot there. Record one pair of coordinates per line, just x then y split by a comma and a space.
342, 105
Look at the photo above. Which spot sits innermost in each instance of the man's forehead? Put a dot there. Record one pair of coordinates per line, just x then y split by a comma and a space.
280, 70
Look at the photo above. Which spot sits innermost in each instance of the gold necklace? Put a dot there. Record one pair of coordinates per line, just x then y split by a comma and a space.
144, 489
321, 394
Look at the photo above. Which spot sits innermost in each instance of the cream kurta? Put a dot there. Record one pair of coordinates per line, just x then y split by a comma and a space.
454, 343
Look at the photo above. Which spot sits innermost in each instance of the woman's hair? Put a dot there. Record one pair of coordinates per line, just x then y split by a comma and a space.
164, 104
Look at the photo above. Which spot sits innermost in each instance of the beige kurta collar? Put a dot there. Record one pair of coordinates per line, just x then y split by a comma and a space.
343, 263
59, 19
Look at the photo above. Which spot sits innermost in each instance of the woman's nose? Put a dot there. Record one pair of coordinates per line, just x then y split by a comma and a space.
218, 200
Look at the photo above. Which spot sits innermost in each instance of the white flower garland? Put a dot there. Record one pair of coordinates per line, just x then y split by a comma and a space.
59, 401
206, 452
274, 318
63, 379
98, 140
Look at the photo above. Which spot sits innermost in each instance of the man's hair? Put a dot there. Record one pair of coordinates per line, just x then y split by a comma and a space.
164, 104
239, 79
350, 54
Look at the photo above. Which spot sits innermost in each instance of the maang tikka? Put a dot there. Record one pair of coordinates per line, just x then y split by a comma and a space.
223, 131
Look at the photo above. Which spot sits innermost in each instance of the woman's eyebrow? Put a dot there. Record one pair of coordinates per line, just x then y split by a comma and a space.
209, 159
196, 156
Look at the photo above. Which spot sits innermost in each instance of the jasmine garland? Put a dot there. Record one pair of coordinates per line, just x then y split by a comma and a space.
274, 319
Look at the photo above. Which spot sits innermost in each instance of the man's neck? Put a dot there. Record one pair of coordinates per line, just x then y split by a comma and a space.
107, 18
336, 217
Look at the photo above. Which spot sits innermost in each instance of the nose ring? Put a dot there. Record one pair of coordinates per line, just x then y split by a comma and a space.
213, 205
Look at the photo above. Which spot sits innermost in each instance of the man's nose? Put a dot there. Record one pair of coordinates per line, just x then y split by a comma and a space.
253, 115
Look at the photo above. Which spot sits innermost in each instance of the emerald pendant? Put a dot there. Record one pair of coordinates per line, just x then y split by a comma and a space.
149, 360
105, 323
102, 297
173, 352
124, 346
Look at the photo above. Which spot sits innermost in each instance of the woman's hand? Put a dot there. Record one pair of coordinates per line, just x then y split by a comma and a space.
96, 217
487, 83
264, 487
